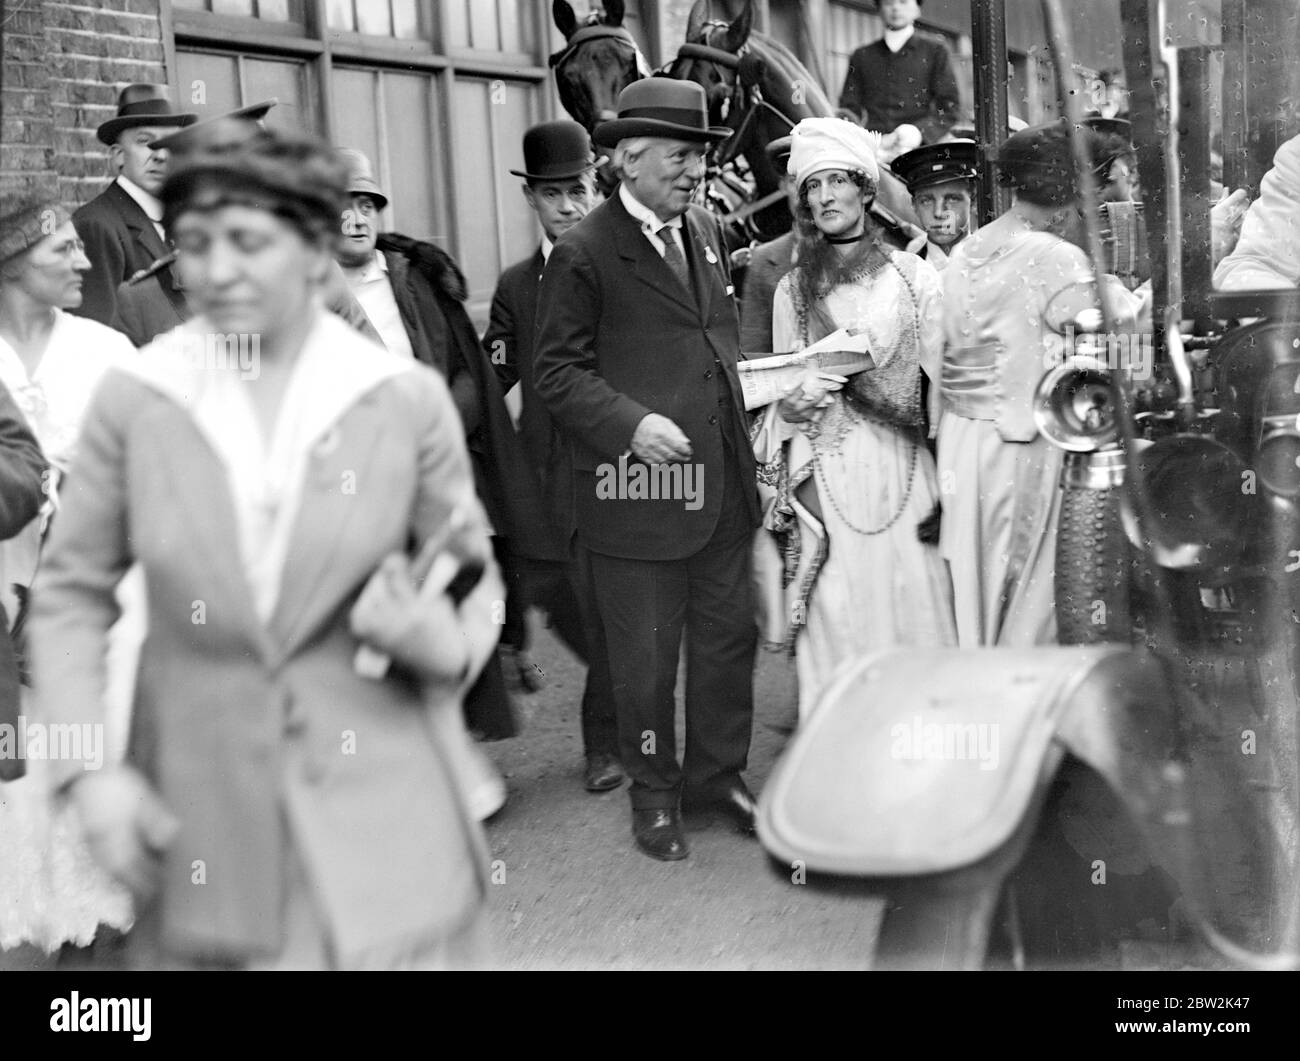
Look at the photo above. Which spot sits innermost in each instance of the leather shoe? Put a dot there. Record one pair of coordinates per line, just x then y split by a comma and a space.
603, 773
658, 833
735, 803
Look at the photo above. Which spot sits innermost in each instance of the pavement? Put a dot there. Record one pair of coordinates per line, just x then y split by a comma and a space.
571, 891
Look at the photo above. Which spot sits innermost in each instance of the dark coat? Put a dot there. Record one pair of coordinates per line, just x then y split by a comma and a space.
767, 265
120, 241
509, 344
22, 482
430, 290
915, 86
619, 337
146, 309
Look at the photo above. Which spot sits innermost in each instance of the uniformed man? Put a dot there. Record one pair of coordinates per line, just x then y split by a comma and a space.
941, 178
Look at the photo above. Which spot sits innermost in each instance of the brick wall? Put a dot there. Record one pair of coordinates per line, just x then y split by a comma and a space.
64, 63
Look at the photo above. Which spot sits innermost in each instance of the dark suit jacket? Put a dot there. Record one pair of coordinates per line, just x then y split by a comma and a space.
767, 265
914, 86
22, 469
149, 308
619, 337
120, 241
509, 344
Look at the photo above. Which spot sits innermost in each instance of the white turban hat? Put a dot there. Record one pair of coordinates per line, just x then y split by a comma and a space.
831, 143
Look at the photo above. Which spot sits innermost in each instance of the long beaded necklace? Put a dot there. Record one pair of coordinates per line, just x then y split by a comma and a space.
820, 473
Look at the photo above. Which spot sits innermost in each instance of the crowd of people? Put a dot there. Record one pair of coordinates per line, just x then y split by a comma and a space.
270, 525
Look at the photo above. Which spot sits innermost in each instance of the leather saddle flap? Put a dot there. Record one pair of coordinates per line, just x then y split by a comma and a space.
920, 760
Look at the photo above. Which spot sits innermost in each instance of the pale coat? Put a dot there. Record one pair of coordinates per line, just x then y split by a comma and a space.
1267, 254
262, 737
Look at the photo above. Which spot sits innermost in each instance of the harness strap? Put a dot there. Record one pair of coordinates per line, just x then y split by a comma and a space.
590, 33
691, 50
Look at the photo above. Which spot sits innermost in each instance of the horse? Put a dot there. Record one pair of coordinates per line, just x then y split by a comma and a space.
599, 59
758, 87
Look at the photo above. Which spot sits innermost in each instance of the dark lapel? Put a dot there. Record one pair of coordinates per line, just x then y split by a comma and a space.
647, 264
529, 285
138, 222
704, 274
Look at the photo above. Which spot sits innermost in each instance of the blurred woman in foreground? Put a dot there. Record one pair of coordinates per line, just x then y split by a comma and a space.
272, 470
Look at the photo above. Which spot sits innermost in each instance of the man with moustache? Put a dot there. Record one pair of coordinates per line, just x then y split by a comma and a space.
122, 226
637, 343
560, 188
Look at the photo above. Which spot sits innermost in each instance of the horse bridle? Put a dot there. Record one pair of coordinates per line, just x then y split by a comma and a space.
586, 34
731, 61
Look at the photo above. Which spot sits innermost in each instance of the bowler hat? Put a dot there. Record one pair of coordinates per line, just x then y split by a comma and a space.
554, 151
663, 107
361, 176
141, 105
949, 160
183, 138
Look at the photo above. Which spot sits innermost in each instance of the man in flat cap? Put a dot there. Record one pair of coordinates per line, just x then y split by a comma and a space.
637, 344
122, 226
941, 178
560, 188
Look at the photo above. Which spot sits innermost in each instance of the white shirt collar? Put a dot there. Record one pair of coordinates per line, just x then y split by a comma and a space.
896, 38
150, 204
650, 223
547, 246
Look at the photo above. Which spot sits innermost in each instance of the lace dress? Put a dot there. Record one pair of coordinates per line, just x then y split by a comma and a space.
51, 891
857, 577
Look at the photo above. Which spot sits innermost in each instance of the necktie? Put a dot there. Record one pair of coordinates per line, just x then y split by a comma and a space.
673, 257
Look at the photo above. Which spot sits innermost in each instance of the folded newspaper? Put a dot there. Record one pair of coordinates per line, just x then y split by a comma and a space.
842, 353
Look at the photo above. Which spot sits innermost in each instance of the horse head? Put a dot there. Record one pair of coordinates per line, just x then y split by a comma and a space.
600, 59
761, 89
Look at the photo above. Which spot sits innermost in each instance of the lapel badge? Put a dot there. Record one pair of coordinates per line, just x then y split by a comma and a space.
709, 255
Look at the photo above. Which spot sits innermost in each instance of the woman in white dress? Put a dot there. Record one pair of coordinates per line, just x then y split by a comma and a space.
846, 472
51, 892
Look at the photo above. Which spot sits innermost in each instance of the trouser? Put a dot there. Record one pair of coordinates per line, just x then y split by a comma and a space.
563, 590
645, 606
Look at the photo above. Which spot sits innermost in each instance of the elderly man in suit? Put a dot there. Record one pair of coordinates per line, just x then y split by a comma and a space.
637, 343
560, 188
122, 226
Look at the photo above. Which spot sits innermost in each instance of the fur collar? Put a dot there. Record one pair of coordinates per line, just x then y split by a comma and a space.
436, 265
